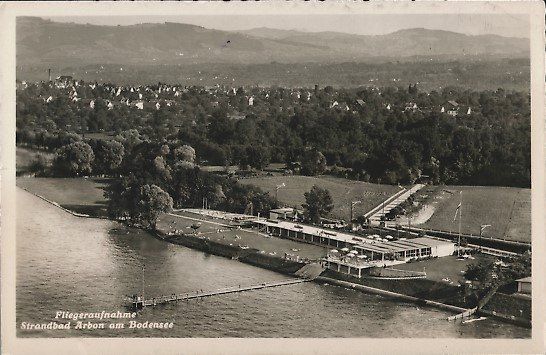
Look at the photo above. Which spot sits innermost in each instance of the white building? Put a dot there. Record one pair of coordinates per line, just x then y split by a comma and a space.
401, 250
524, 285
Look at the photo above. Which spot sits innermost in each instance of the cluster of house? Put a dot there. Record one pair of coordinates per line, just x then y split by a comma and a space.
167, 95
142, 96
136, 96
451, 107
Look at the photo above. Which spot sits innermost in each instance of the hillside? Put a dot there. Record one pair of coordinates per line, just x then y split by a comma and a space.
404, 43
44, 41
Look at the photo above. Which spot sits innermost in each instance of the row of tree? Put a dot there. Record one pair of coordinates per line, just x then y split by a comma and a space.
152, 177
490, 146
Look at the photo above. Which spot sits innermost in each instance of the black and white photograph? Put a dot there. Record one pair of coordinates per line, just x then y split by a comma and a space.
293, 174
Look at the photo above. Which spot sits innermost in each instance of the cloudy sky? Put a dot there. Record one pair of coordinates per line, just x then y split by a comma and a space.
504, 25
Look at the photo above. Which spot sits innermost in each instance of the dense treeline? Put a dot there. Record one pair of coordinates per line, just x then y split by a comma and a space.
151, 177
390, 135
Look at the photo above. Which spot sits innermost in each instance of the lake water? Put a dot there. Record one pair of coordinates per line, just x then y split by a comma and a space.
65, 263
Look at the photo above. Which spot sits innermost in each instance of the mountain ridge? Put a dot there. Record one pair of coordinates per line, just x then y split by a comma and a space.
41, 41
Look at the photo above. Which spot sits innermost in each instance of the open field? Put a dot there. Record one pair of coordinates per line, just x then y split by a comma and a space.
25, 156
343, 192
237, 237
76, 194
506, 209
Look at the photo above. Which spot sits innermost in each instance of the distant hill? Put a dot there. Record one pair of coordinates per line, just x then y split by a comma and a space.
41, 42
403, 43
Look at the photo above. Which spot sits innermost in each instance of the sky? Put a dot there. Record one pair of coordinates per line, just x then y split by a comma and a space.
371, 24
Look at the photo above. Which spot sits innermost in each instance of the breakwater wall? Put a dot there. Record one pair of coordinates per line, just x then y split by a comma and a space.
75, 214
396, 295
420, 290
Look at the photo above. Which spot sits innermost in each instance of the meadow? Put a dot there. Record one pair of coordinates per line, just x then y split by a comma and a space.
506, 209
343, 191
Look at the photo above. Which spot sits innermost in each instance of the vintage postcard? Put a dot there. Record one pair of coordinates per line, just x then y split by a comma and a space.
273, 177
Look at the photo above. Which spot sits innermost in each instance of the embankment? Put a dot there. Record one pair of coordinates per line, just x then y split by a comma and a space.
75, 214
510, 308
420, 290
249, 256
368, 289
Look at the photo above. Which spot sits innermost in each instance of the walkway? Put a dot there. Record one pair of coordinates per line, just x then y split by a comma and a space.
199, 294
395, 200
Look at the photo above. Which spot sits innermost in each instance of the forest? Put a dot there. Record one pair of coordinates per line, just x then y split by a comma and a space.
393, 135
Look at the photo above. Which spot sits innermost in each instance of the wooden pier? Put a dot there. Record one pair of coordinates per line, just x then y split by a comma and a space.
139, 302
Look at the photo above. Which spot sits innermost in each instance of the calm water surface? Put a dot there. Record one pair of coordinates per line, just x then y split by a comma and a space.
65, 263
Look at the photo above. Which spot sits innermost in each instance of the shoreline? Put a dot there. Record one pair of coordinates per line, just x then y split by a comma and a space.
252, 257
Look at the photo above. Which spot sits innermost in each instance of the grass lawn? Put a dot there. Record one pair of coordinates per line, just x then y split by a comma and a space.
238, 237
76, 194
506, 209
25, 156
343, 191
441, 268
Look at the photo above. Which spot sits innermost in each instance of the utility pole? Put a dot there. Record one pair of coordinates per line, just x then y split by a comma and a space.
353, 203
142, 282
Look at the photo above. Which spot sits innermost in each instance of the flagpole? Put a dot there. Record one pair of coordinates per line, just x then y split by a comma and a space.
460, 217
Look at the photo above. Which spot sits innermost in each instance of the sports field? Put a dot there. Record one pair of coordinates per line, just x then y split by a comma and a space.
76, 194
343, 192
506, 209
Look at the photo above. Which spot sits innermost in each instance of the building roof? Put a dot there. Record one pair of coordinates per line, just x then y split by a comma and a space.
429, 241
525, 279
376, 246
284, 210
